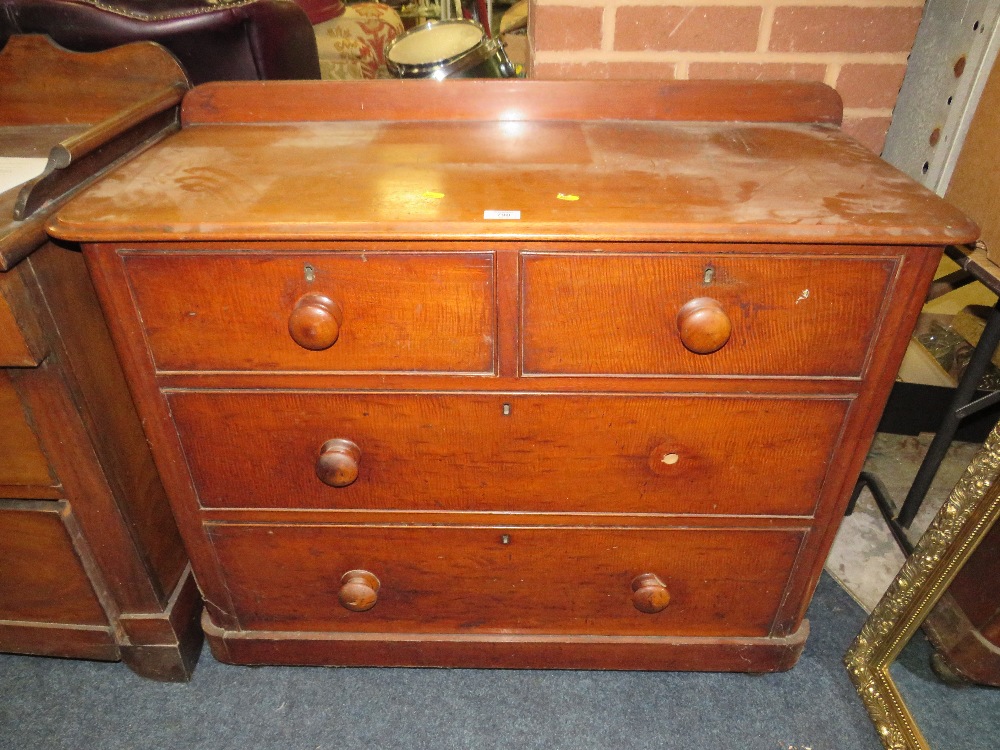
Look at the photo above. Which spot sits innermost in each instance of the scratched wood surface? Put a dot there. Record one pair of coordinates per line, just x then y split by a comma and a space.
437, 178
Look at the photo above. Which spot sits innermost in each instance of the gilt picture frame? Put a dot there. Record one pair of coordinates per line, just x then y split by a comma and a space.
956, 531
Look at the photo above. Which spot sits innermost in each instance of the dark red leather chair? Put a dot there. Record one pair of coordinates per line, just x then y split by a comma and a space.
321, 10
224, 40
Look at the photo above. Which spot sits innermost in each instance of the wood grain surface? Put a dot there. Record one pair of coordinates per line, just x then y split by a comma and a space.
514, 101
507, 579
511, 452
791, 315
80, 87
401, 311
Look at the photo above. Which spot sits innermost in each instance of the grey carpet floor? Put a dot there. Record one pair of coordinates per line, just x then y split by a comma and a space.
54, 704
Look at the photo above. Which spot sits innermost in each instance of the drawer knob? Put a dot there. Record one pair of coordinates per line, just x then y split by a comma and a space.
315, 322
358, 590
649, 593
337, 464
703, 325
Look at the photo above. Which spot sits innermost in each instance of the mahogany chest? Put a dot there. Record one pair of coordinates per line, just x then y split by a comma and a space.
510, 373
91, 562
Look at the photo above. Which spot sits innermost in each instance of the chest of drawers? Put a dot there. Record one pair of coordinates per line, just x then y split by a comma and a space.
91, 562
506, 373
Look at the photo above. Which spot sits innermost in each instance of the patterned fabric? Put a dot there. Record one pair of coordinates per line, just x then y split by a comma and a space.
352, 46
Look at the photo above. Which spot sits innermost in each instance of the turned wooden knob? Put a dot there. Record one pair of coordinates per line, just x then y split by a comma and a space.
337, 464
358, 590
315, 322
703, 325
649, 593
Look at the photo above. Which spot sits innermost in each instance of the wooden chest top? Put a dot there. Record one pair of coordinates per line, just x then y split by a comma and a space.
340, 163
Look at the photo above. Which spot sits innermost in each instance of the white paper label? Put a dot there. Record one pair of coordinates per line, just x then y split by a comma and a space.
16, 170
509, 215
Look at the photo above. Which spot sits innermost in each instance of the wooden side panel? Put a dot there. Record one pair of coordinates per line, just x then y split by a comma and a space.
791, 315
401, 312
41, 576
507, 579
106, 409
600, 454
21, 459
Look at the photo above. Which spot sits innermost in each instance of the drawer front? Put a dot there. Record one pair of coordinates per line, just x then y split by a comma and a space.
22, 463
41, 576
618, 314
419, 312
722, 582
496, 452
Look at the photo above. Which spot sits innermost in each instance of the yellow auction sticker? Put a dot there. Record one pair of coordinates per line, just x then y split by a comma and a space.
432, 194
567, 197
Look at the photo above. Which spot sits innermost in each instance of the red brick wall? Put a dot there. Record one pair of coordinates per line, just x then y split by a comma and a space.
857, 46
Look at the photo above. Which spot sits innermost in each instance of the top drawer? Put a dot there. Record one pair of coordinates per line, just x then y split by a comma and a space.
617, 314
334, 312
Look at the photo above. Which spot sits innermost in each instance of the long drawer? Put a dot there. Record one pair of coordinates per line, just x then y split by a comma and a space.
620, 313
479, 579
351, 311
509, 452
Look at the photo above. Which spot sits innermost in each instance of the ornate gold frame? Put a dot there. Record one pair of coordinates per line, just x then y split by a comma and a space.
951, 538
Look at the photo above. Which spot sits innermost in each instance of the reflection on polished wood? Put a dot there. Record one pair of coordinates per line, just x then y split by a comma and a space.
952, 537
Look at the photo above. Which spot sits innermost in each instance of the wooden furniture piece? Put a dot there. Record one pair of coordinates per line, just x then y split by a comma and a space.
91, 562
510, 373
